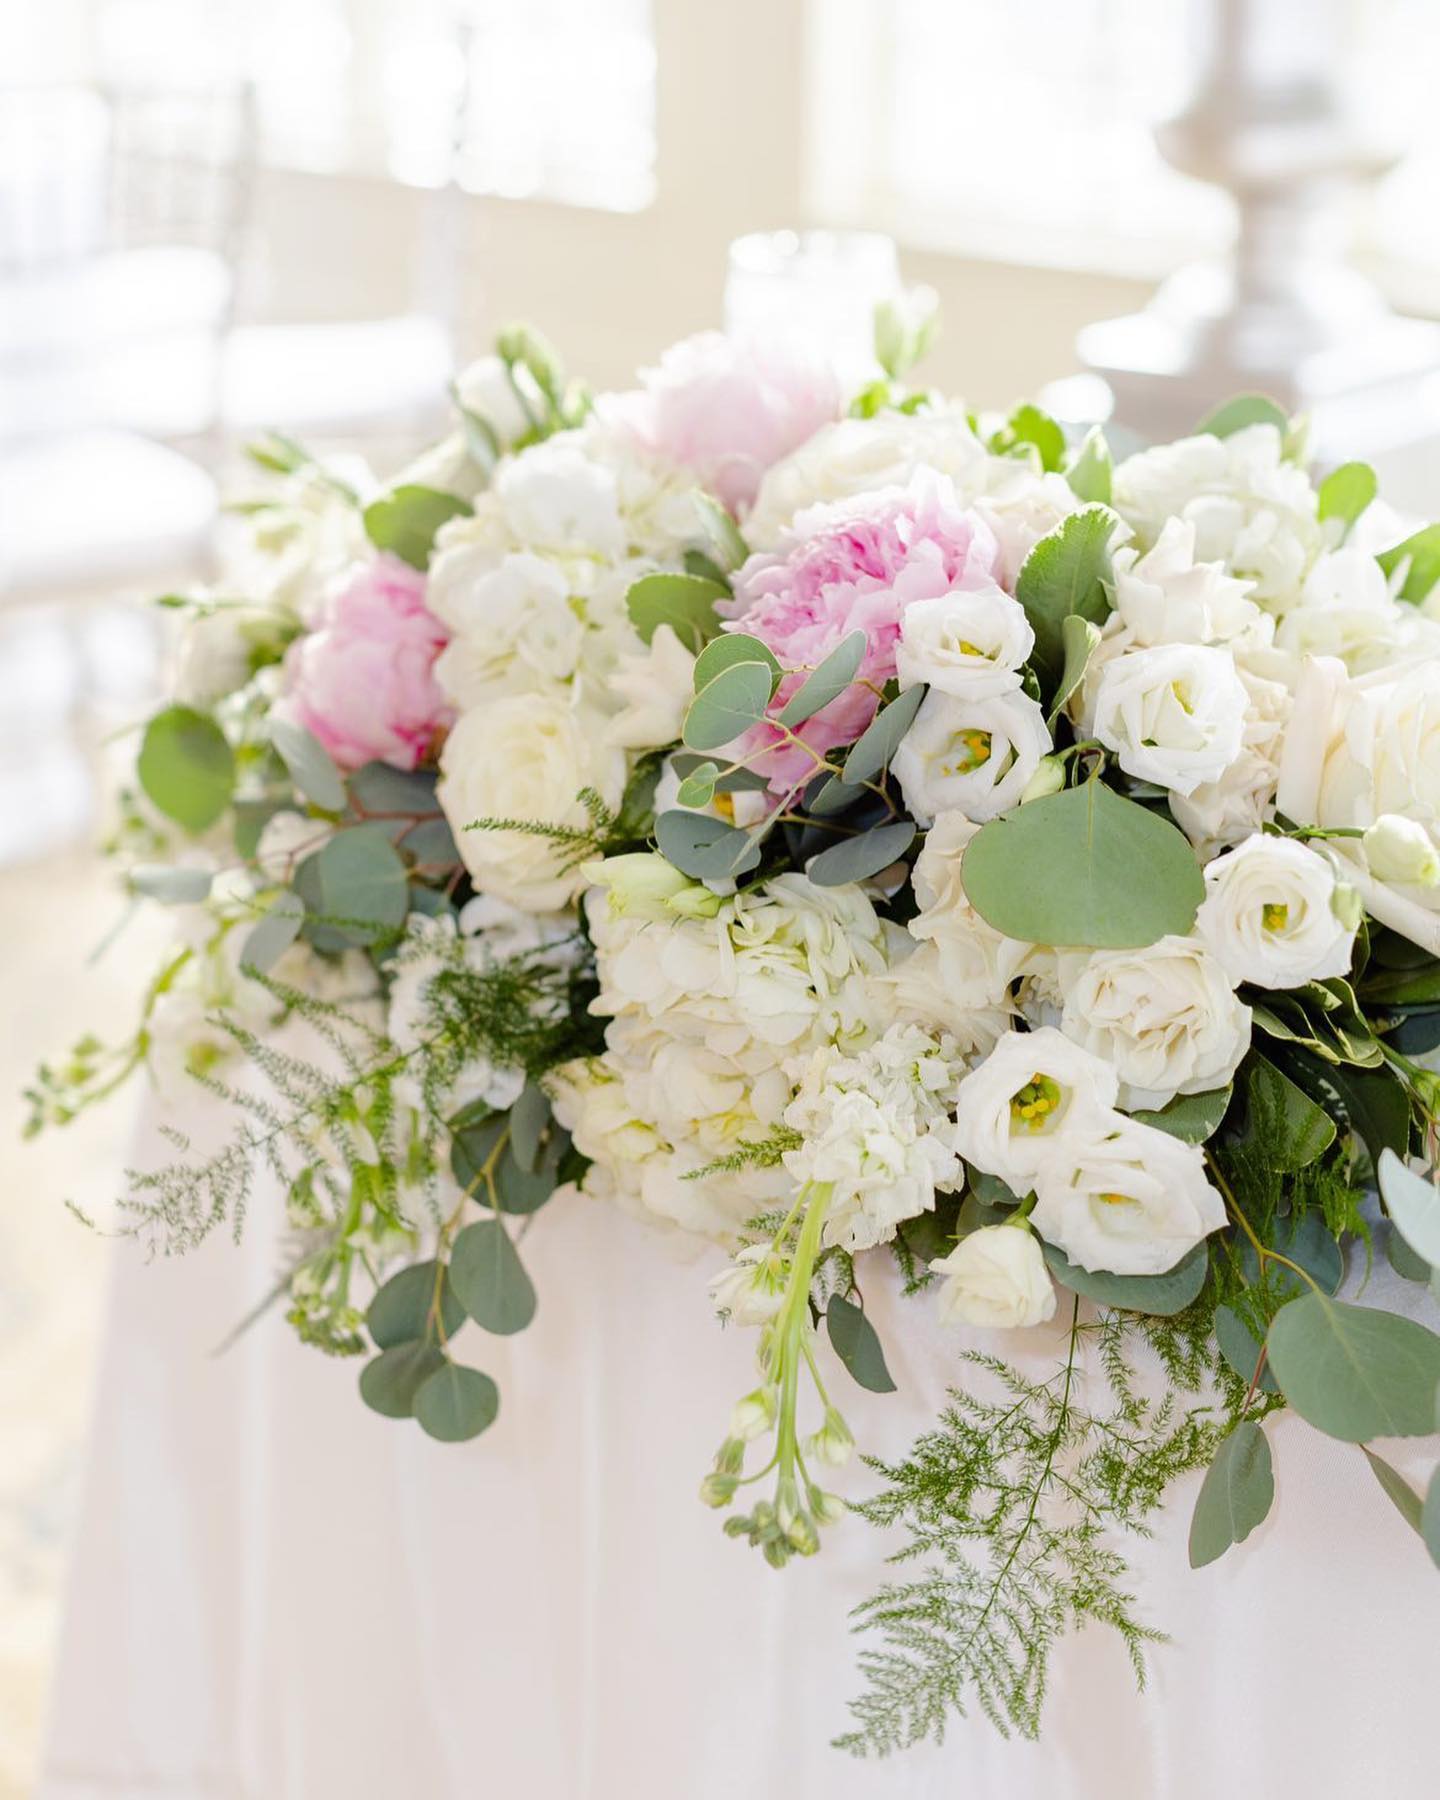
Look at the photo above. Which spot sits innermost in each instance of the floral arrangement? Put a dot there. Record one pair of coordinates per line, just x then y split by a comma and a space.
840, 828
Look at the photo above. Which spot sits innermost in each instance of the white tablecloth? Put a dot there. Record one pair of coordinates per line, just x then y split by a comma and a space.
278, 1595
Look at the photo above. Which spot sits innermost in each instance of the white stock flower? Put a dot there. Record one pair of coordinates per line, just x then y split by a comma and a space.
1164, 1019
556, 497
1026, 1101
1400, 849
970, 756
1269, 914
525, 757
750, 1288
876, 1130
1173, 715
1226, 811
656, 684
1165, 596
513, 625
1127, 1198
970, 643
996, 1277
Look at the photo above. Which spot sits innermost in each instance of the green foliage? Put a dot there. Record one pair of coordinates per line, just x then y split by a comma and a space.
1006, 1506
855, 1341
1091, 469
1347, 491
1244, 410
1170, 1292
1029, 429
1067, 573
405, 521
858, 858
826, 682
1355, 1372
728, 705
686, 603
309, 763
489, 1278
881, 738
1235, 1496
186, 767
1420, 556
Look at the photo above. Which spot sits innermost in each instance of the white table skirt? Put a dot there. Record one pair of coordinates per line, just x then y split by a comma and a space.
278, 1595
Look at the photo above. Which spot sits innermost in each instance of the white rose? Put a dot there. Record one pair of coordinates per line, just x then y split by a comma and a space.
514, 627
1224, 812
996, 1277
1166, 597
970, 756
970, 643
1128, 1199
555, 497
1400, 849
527, 756
486, 387
1164, 1019
656, 684
1269, 914
1173, 715
1022, 1105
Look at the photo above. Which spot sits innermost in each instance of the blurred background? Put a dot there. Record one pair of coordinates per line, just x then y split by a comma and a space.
218, 216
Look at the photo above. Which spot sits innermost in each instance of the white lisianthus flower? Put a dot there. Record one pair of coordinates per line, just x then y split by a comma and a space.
1346, 610
970, 756
1400, 849
996, 1277
554, 496
749, 1290
1164, 1019
1270, 916
1165, 597
513, 625
1223, 812
1026, 1101
876, 1130
656, 684
1174, 714
970, 643
1127, 1198
527, 756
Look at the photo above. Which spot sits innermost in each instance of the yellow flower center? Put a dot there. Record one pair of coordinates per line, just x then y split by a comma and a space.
969, 649
1275, 915
971, 751
1182, 697
1032, 1106
724, 804
1114, 1199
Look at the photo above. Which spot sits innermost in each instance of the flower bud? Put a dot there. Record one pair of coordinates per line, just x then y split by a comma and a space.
1347, 906
829, 1509
802, 1535
833, 1442
640, 885
753, 1415
1049, 778
1401, 849
718, 1490
730, 1457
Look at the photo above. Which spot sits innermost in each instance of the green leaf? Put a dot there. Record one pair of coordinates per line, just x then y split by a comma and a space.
390, 1381
1297, 1129
698, 789
1301, 1238
881, 738
1377, 1104
1407, 1502
405, 521
186, 767
729, 704
1403, 1260
1078, 638
490, 1280
1067, 572
522, 1190
170, 886
1162, 1295
733, 647
456, 1404
1430, 1518
1114, 875
1404, 987
1241, 1349
1243, 410
528, 1118
706, 849
1347, 491
722, 533
1422, 552
855, 1342
311, 766
273, 935
858, 858
378, 788
360, 885
686, 603
1354, 1372
1029, 425
826, 682
1190, 1117
1413, 1203
1235, 1496
1090, 473
400, 1310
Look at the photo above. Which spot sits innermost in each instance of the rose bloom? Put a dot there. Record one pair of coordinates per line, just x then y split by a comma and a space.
854, 566
727, 410
1271, 914
996, 1277
1174, 715
364, 683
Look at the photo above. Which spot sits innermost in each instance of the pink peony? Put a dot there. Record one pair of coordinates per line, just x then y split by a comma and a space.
853, 565
362, 683
727, 410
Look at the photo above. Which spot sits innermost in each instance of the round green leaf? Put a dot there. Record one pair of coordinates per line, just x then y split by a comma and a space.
400, 1311
686, 603
1355, 1372
1303, 1239
827, 681
856, 1343
1241, 1349
528, 1118
310, 764
858, 858
456, 1403
1245, 409
1235, 1495
881, 738
729, 704
1083, 868
1163, 1294
172, 887
186, 767
362, 887
274, 934
405, 521
389, 1381
706, 849
490, 1279
733, 647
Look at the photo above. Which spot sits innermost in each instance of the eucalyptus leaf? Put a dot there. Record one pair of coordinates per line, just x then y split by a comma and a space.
1244, 410
528, 1118
686, 603
170, 886
1413, 1203
723, 534
881, 738
456, 1404
1403, 1260
1235, 1496
273, 934
1190, 1117
1347, 491
698, 788
1354, 1372
490, 1280
1241, 1349
1090, 474
704, 848
362, 888
1430, 1518
390, 1381
1067, 572
1301, 1238
405, 521
522, 1190
1162, 1295
379, 788
855, 1342
311, 766
826, 682
1083, 868
729, 704
1406, 1501
1420, 552
733, 647
401, 1311
186, 767
1078, 638
858, 858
